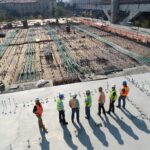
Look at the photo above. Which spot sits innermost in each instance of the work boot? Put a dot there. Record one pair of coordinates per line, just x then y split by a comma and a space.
108, 112
65, 123
98, 114
118, 106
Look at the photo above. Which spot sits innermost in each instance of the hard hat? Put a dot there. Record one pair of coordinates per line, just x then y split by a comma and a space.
74, 95
113, 86
61, 96
88, 92
124, 83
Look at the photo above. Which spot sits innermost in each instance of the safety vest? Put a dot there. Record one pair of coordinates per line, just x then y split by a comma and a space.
124, 91
39, 110
60, 105
112, 97
88, 101
74, 103
101, 99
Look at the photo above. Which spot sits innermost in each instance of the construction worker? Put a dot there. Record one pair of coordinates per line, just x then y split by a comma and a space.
112, 97
74, 105
88, 104
123, 94
38, 110
60, 108
101, 101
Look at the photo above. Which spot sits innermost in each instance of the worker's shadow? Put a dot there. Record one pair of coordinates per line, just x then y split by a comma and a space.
68, 137
97, 132
82, 136
113, 130
125, 127
45, 145
139, 123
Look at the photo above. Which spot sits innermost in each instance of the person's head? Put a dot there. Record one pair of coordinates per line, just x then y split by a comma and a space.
124, 83
37, 101
74, 96
61, 96
113, 87
88, 93
100, 89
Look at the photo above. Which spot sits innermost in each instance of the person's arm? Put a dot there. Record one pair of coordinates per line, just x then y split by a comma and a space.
78, 103
34, 109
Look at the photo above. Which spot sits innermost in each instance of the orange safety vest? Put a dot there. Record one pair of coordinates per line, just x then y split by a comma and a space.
74, 104
101, 98
39, 110
124, 91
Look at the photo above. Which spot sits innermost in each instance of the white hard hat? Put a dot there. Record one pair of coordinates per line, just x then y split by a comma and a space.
113, 86
74, 95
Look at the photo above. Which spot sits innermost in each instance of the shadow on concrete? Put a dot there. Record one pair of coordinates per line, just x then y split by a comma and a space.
113, 130
97, 132
125, 127
45, 145
68, 137
139, 123
83, 136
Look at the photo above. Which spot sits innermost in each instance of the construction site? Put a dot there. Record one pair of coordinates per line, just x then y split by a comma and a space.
69, 51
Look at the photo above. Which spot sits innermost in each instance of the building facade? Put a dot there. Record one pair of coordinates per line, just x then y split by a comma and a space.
28, 7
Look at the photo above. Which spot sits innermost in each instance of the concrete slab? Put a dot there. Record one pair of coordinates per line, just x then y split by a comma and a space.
129, 129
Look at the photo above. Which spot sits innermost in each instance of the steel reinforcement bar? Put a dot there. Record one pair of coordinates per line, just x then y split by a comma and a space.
138, 58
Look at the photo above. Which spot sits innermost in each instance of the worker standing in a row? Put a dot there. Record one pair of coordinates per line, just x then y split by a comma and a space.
60, 108
88, 104
101, 101
123, 94
74, 105
113, 98
38, 110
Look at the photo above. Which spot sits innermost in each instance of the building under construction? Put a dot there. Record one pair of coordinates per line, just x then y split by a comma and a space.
83, 50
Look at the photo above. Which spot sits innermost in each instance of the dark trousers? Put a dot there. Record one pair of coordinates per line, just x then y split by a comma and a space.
75, 111
101, 107
111, 107
62, 116
40, 122
123, 98
87, 112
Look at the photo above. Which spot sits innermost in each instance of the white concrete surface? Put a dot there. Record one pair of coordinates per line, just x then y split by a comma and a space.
127, 130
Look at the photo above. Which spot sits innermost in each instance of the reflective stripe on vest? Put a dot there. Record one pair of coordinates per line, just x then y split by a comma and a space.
39, 110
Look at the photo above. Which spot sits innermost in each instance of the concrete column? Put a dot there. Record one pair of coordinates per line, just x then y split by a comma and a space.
114, 10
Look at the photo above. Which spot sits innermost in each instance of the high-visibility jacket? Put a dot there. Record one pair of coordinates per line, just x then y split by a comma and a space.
60, 105
88, 101
124, 91
101, 99
39, 110
112, 97
74, 103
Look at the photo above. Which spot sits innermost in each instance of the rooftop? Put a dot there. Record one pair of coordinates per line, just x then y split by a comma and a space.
128, 129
